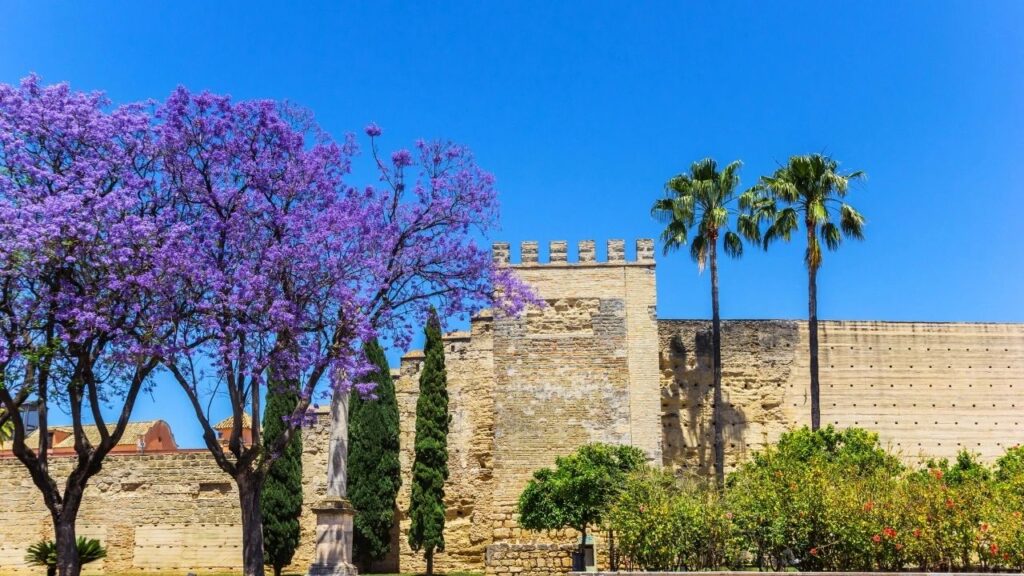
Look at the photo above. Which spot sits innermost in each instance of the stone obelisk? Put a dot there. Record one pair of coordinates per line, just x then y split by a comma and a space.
333, 555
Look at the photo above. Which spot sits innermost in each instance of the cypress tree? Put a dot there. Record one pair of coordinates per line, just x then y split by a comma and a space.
430, 467
374, 472
281, 499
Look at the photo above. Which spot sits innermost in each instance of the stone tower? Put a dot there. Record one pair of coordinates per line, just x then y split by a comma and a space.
525, 390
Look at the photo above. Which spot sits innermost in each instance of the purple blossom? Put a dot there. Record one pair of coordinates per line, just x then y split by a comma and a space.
372, 130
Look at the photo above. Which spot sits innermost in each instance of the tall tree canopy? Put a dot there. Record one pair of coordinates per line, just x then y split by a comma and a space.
85, 249
430, 465
374, 471
292, 269
579, 490
812, 190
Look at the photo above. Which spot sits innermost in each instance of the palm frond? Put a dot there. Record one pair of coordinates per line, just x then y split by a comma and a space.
830, 235
733, 244
782, 227
851, 222
749, 227
699, 251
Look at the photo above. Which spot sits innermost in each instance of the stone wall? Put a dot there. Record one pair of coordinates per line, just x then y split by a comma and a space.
929, 388
529, 559
160, 512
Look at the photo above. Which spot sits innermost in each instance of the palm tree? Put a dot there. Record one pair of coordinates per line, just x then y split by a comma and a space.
700, 200
812, 188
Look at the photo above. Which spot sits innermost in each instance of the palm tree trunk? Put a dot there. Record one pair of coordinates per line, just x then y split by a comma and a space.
716, 345
812, 328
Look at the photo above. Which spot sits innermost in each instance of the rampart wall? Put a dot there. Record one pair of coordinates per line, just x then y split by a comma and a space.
174, 512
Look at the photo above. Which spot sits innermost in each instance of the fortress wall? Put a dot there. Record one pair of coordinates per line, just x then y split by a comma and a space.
581, 369
929, 389
525, 390
159, 512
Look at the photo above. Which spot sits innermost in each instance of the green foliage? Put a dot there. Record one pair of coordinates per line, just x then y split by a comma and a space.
701, 200
810, 190
579, 490
663, 524
281, 497
826, 500
430, 466
44, 553
853, 449
374, 471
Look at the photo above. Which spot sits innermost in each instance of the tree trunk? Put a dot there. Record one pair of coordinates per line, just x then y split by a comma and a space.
249, 485
716, 345
812, 328
68, 562
430, 562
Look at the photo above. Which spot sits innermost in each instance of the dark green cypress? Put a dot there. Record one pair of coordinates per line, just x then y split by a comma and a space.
281, 498
374, 472
430, 467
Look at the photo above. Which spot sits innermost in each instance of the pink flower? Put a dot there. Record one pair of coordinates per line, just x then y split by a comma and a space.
876, 538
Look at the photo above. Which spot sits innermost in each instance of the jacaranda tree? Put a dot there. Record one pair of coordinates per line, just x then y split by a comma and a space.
85, 246
808, 189
290, 269
374, 471
430, 463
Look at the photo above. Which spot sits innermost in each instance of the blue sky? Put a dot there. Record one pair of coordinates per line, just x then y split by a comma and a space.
583, 110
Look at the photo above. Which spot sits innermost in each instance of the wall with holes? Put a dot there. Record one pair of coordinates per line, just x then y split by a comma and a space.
929, 388
154, 513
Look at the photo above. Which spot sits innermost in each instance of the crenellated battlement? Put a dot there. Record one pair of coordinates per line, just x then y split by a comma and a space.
586, 253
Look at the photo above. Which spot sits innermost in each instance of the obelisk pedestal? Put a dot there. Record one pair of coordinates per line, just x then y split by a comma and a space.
333, 554
334, 514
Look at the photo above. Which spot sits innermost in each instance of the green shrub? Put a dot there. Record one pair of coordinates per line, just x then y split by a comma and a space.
662, 523
44, 553
832, 501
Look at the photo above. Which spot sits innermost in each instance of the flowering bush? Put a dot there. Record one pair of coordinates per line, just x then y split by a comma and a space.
663, 523
829, 500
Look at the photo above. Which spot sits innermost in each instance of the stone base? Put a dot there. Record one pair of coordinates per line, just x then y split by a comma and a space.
332, 570
333, 555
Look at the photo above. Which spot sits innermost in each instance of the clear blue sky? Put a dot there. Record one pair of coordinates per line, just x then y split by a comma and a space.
583, 110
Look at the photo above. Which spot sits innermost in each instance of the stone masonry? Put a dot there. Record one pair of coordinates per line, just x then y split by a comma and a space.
175, 512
